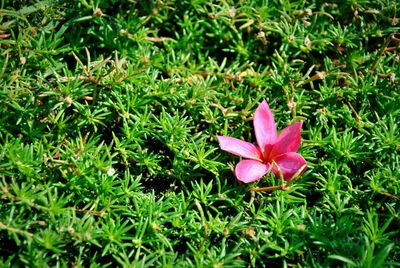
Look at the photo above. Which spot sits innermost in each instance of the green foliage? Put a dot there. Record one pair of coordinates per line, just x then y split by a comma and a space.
109, 111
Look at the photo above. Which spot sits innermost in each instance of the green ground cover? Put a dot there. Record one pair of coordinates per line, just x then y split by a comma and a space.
109, 112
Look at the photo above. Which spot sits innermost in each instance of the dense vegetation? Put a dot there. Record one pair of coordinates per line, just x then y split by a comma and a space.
109, 116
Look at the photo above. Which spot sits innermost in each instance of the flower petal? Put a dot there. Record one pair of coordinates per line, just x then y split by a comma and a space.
251, 170
289, 164
288, 141
264, 127
238, 147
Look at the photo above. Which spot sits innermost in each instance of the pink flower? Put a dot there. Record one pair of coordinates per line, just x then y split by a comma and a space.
271, 148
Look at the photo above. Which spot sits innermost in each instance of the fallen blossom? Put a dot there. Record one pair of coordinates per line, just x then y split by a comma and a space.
274, 152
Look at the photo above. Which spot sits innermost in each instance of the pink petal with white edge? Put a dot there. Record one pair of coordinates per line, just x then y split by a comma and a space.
251, 170
264, 126
289, 163
288, 141
238, 147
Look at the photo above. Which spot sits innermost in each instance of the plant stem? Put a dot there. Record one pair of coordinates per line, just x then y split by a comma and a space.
282, 187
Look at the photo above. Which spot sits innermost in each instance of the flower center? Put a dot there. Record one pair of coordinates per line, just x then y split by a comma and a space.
267, 152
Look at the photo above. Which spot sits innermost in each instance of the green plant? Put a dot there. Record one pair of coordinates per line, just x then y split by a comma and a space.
109, 117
